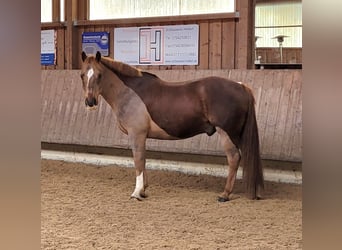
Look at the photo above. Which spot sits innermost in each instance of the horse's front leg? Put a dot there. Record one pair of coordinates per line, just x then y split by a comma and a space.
139, 151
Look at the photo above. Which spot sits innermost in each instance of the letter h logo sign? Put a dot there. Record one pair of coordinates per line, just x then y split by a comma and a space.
151, 41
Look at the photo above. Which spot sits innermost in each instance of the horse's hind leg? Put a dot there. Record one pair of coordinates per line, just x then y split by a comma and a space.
233, 157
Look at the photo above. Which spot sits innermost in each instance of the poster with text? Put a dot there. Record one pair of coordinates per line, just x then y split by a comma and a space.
157, 45
95, 41
48, 47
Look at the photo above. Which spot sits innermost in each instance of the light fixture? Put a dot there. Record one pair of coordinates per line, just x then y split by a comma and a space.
280, 39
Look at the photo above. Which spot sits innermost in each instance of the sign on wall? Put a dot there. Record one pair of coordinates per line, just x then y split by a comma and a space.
95, 41
48, 47
157, 45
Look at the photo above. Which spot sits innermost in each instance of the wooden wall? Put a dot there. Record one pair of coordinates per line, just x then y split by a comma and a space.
65, 120
216, 41
226, 39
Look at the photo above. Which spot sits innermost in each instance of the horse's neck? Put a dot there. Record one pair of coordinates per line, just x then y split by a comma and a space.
141, 85
112, 89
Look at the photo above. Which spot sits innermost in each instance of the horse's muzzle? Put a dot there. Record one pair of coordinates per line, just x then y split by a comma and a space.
90, 102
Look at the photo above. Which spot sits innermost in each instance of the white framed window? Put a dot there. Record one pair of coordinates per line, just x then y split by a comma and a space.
281, 18
115, 9
62, 14
46, 11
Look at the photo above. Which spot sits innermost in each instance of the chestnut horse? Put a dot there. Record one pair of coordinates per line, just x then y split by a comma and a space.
148, 107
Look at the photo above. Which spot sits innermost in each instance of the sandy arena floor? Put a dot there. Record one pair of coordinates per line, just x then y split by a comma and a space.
88, 207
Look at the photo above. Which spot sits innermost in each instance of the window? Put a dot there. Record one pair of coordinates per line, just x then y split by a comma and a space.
46, 11
62, 17
112, 9
278, 18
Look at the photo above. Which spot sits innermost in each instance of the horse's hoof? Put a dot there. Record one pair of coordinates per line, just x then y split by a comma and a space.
139, 198
256, 198
222, 199
143, 195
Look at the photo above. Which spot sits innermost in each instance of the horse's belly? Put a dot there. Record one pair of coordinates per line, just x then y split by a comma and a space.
156, 132
181, 131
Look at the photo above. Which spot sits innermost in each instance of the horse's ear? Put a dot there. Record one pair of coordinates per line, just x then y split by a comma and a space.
84, 56
98, 56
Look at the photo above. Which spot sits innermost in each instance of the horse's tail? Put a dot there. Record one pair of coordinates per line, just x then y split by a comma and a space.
250, 151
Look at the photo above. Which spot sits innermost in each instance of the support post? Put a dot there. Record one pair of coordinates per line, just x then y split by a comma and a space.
245, 34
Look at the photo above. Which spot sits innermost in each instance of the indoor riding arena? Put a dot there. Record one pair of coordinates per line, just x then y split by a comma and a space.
90, 166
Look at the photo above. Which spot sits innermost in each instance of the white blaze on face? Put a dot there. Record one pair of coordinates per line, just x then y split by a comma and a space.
240, 82
139, 185
90, 74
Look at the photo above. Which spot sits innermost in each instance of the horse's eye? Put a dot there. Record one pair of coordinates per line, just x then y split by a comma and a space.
99, 76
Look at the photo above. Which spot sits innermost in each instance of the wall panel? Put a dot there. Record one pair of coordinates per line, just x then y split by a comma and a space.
65, 120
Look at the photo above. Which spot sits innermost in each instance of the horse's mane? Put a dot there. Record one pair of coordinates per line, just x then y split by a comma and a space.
121, 68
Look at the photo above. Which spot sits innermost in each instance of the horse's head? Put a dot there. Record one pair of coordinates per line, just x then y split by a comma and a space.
91, 75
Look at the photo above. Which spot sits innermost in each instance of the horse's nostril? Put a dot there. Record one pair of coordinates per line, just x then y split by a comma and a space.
90, 102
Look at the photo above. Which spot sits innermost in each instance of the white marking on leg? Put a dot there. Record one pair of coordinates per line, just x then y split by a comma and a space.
139, 185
